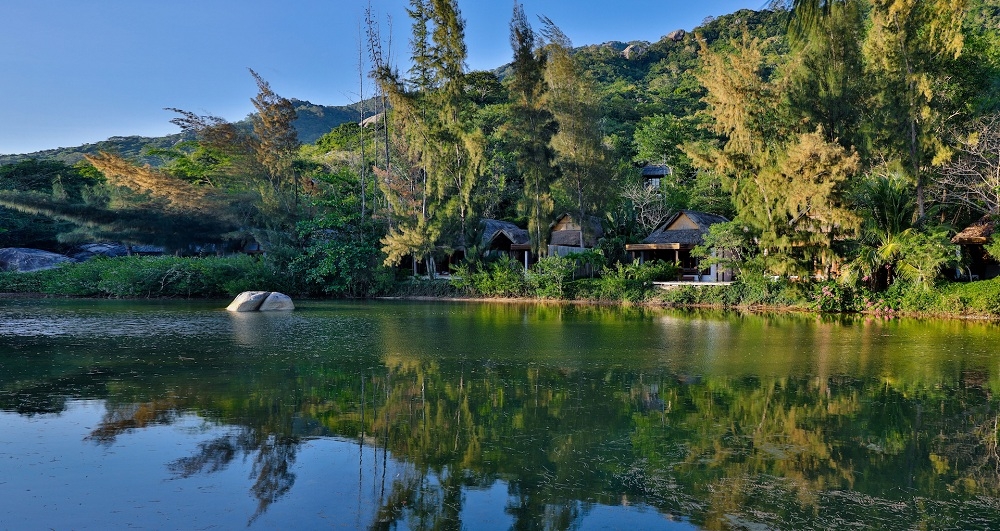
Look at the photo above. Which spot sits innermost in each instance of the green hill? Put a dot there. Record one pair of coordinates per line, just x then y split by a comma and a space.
313, 122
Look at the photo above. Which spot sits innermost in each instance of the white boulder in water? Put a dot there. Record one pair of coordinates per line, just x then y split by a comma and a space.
260, 301
248, 301
276, 302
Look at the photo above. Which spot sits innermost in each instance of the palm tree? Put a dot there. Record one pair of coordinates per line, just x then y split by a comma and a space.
891, 247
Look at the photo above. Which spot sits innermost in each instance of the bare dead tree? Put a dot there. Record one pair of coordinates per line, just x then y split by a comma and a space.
650, 209
380, 57
363, 170
972, 178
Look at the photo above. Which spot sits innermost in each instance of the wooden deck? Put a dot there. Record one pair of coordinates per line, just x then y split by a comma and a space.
677, 284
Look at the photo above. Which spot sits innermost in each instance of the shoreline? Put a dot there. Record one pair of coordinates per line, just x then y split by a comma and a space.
761, 309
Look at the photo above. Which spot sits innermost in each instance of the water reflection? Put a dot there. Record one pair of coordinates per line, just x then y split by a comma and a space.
541, 417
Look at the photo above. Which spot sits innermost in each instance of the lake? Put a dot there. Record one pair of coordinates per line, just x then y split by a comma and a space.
414, 415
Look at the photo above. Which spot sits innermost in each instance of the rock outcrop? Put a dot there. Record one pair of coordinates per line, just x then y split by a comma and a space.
634, 51
261, 301
25, 260
93, 250
276, 302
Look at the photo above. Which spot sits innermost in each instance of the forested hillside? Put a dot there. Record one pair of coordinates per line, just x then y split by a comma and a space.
313, 121
846, 140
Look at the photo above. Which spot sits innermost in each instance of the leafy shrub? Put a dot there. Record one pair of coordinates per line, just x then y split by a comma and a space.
337, 263
548, 278
13, 282
424, 287
146, 277
834, 297
502, 278
981, 297
699, 295
632, 282
588, 262
758, 289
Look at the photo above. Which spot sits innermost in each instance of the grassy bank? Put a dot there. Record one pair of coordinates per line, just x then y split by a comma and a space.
152, 277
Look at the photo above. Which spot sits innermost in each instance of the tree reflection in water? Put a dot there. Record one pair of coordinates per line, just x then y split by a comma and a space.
782, 422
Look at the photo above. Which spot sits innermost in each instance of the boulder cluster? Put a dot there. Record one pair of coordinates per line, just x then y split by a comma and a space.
261, 301
24, 260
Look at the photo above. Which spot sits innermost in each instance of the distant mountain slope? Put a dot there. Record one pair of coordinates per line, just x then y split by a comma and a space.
635, 79
313, 122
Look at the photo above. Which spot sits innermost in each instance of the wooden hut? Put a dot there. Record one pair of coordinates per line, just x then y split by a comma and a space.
567, 235
506, 238
673, 240
973, 240
652, 174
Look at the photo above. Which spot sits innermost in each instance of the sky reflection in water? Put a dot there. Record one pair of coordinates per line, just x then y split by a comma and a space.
381, 415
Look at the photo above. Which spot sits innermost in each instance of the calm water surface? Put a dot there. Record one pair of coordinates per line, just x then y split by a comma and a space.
392, 415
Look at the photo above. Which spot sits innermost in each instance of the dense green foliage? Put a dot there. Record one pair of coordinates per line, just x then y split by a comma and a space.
145, 277
848, 141
556, 277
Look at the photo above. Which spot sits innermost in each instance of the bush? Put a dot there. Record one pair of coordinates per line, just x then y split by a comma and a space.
632, 282
981, 297
334, 264
147, 277
549, 277
833, 297
502, 278
13, 282
422, 287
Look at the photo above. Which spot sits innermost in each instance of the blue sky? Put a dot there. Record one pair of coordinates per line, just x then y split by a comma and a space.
79, 71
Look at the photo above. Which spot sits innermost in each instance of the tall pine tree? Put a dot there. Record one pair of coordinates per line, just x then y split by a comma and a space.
531, 128
431, 110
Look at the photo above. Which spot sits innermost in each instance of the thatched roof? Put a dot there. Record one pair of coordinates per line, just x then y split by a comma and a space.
559, 235
669, 232
979, 233
494, 227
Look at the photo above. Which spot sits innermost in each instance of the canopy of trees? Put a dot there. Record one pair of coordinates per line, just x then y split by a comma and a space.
781, 119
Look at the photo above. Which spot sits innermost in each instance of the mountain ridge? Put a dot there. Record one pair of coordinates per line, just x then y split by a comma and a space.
313, 121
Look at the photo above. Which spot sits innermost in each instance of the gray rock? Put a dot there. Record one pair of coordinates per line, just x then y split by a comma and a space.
148, 250
92, 250
634, 51
27, 260
248, 301
677, 35
277, 302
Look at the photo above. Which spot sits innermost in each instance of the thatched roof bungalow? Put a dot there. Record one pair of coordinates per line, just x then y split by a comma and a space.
504, 237
653, 173
674, 239
973, 239
567, 235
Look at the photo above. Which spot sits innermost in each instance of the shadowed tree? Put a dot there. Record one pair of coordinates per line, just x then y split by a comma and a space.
531, 128
580, 154
275, 141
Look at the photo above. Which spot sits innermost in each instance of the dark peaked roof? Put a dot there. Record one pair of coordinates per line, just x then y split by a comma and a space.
494, 227
571, 238
663, 234
655, 170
